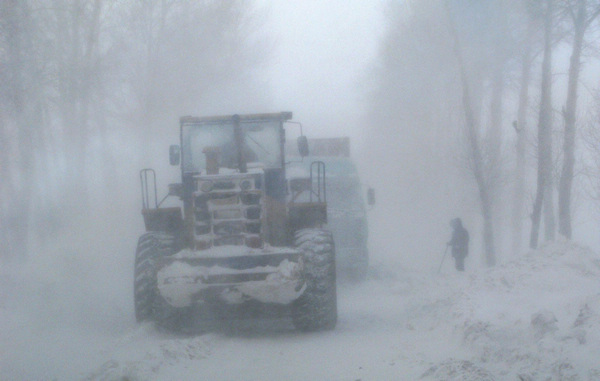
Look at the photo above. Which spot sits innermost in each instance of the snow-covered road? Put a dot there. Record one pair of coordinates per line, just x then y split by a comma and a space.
535, 318
374, 340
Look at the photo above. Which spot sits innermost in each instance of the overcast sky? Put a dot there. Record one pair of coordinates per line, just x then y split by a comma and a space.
322, 52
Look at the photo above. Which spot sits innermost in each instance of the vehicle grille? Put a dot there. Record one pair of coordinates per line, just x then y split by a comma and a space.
228, 212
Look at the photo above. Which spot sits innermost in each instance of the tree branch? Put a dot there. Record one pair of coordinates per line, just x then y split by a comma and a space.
592, 16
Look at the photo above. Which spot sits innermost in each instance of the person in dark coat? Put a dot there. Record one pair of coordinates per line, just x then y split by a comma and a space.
459, 243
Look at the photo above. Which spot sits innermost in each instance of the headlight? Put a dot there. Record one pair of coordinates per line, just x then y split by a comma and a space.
207, 186
245, 185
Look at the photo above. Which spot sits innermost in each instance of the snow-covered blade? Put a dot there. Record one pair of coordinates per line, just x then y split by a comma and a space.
231, 274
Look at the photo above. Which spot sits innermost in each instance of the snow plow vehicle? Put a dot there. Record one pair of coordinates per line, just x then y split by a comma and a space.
346, 206
242, 234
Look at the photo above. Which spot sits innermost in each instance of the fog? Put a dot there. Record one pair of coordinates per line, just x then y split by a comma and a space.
92, 92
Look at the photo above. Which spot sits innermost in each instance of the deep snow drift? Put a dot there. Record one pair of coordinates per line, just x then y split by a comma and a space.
535, 318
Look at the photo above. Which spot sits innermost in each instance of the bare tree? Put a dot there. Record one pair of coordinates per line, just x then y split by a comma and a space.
75, 28
475, 150
417, 76
544, 169
581, 20
520, 127
22, 122
67, 74
590, 136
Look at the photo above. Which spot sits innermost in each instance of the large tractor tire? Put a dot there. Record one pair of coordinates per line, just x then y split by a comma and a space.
316, 309
151, 246
149, 305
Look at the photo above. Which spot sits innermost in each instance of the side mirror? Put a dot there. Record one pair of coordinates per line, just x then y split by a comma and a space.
371, 196
303, 146
174, 154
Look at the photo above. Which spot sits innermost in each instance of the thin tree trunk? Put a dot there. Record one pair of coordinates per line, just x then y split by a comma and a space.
544, 171
494, 135
18, 213
549, 216
566, 177
493, 166
69, 29
78, 125
521, 130
537, 211
5, 188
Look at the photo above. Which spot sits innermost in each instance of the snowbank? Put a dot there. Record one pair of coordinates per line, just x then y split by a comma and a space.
531, 319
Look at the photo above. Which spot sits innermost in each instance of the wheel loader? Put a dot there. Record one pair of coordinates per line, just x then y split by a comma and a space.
245, 233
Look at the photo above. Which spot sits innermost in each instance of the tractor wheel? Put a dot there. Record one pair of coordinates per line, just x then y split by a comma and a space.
316, 309
151, 246
149, 304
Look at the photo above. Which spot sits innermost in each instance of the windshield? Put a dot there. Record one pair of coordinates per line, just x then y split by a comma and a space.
260, 144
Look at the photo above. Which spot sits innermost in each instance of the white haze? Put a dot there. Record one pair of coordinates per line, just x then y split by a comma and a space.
66, 312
